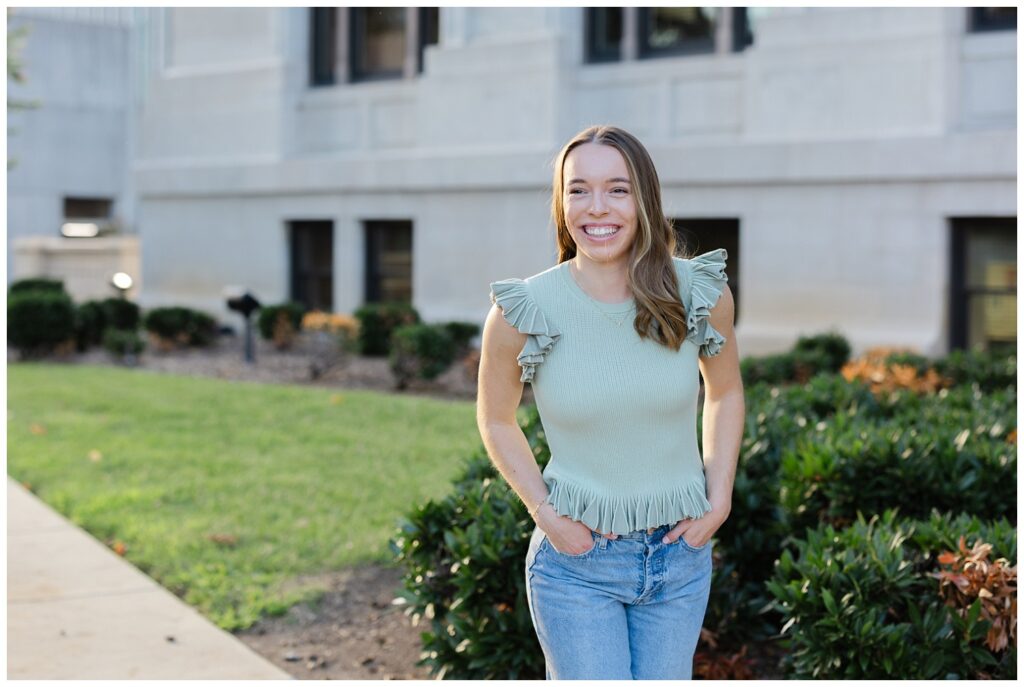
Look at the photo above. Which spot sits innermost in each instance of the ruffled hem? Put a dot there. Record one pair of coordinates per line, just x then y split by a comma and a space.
707, 282
623, 514
520, 311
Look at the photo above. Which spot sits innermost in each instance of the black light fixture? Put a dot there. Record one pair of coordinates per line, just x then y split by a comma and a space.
243, 302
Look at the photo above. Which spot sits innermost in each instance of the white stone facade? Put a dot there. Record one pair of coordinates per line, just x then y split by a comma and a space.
844, 140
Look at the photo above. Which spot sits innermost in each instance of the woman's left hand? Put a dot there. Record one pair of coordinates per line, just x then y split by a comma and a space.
698, 531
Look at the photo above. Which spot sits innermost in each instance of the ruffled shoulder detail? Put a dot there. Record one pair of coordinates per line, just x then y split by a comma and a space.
707, 282
522, 312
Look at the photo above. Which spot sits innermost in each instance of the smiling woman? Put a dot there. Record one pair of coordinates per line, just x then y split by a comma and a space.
620, 558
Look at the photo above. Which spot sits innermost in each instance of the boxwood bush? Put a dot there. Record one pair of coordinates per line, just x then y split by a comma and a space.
35, 284
268, 314
464, 573
811, 355
376, 323
859, 603
39, 320
90, 323
182, 325
420, 350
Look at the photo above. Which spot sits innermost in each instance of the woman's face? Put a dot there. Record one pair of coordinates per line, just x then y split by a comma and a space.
599, 198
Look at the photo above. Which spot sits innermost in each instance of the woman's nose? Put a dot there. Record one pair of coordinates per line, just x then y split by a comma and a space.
597, 204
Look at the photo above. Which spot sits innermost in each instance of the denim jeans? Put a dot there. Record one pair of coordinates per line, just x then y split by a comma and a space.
630, 608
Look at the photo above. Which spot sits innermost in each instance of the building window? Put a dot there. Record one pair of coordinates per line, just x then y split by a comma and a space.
323, 43
984, 284
614, 34
87, 208
668, 31
603, 26
87, 217
312, 264
429, 30
369, 43
992, 18
388, 261
377, 38
696, 236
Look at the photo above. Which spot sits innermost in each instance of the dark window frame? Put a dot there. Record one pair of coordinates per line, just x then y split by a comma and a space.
708, 233
303, 273
960, 293
356, 40
323, 45
75, 207
591, 54
703, 46
428, 24
742, 33
979, 22
373, 231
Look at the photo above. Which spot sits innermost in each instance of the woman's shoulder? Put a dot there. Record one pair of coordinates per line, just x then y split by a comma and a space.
703, 281
518, 301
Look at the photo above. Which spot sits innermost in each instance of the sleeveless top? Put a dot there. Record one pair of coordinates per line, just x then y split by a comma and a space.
619, 412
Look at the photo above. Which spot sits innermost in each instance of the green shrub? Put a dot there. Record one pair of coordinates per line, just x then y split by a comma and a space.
121, 313
851, 465
462, 333
122, 342
182, 325
833, 348
778, 368
376, 323
420, 350
989, 370
267, 317
35, 284
860, 604
39, 320
464, 573
90, 323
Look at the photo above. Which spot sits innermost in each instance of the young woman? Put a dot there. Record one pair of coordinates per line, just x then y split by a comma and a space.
613, 339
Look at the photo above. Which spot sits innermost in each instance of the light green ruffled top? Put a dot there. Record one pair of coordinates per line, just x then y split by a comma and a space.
619, 412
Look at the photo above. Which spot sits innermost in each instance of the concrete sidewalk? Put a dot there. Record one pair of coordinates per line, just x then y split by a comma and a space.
75, 609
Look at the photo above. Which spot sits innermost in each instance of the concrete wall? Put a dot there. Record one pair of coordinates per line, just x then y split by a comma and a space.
844, 139
77, 142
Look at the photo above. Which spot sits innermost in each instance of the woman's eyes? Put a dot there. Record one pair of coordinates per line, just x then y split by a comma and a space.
577, 190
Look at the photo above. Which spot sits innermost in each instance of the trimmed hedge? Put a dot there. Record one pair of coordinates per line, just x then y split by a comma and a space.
39, 320
377, 321
420, 350
35, 284
267, 317
182, 325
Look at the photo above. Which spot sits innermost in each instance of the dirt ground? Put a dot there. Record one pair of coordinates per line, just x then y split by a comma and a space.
354, 632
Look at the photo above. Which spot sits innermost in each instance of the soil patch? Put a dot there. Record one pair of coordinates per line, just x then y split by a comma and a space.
354, 632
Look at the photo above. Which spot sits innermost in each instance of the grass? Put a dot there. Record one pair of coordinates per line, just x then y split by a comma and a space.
224, 491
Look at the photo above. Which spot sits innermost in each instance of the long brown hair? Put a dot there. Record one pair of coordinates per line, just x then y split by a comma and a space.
651, 275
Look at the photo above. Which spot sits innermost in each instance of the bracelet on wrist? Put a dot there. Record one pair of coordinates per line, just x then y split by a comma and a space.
533, 511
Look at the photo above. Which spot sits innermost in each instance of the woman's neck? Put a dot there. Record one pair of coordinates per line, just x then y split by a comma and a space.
602, 281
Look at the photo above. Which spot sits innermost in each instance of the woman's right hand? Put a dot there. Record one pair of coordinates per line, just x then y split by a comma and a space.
565, 534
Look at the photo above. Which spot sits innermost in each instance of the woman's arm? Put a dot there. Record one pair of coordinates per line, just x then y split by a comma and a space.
499, 391
723, 423
724, 408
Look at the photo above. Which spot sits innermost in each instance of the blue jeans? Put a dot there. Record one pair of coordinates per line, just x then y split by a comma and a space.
630, 608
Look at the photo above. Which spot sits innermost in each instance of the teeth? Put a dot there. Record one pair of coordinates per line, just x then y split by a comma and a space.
600, 231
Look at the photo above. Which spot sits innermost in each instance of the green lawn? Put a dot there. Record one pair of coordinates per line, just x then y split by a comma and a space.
294, 480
